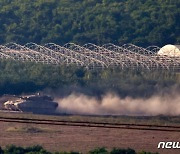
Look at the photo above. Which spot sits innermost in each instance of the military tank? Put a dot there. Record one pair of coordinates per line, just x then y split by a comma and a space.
36, 103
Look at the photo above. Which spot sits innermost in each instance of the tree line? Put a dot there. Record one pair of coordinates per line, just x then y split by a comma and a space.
142, 22
12, 149
17, 78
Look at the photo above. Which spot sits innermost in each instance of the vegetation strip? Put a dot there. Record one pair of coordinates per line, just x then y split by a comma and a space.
40, 150
17, 78
88, 124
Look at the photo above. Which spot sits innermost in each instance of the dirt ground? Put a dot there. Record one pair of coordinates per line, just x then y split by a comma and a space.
83, 139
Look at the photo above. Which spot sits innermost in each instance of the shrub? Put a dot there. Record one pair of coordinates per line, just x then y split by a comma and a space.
12, 149
99, 151
1, 151
123, 151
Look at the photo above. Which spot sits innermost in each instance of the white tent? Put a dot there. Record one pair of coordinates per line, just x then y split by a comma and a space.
170, 50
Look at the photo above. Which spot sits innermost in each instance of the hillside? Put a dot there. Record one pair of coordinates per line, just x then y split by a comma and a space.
142, 22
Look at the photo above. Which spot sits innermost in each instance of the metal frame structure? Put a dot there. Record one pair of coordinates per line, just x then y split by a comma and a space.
91, 56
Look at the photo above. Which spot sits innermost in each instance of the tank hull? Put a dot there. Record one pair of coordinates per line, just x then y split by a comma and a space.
32, 103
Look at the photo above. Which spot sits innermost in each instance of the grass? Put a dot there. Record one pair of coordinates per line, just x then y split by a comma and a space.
28, 129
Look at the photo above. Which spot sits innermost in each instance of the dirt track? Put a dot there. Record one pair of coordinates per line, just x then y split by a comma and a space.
92, 124
67, 138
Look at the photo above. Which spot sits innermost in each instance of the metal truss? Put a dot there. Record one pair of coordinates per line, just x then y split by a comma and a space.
91, 56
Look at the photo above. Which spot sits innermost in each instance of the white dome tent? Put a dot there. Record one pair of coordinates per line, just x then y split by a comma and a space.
170, 50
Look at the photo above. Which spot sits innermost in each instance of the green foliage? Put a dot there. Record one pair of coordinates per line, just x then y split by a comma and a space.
12, 149
1, 151
99, 151
123, 151
143, 22
18, 78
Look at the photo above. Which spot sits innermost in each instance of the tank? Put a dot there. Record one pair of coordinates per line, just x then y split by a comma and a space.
32, 103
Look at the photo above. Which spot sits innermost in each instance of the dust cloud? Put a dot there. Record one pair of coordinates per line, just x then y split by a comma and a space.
112, 104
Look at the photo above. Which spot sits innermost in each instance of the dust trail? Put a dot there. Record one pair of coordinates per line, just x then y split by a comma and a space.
111, 104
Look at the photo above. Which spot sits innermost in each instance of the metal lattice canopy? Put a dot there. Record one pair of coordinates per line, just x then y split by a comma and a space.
92, 56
